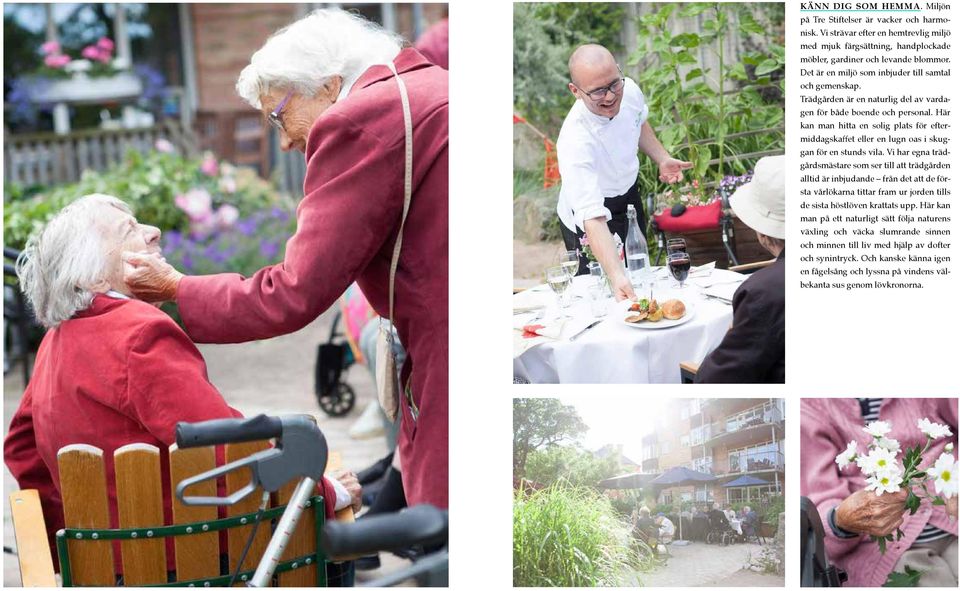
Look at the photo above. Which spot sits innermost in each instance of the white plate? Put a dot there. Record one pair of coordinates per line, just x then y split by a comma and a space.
664, 323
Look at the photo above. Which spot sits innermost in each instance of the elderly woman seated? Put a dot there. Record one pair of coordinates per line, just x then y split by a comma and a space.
666, 529
851, 514
111, 370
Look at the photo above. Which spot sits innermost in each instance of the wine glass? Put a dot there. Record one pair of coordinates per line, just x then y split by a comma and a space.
570, 260
559, 281
676, 245
679, 264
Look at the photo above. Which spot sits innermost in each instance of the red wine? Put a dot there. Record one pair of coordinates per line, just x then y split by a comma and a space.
680, 268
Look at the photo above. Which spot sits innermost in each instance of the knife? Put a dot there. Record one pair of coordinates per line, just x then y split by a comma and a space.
585, 329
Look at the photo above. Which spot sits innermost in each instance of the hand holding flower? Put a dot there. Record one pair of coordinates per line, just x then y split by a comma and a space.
864, 512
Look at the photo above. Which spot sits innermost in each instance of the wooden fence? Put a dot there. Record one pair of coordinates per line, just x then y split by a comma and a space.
48, 158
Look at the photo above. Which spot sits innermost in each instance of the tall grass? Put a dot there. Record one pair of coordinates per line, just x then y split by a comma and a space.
568, 537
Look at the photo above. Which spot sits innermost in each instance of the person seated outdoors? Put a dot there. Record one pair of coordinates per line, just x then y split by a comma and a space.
749, 521
111, 370
665, 528
644, 524
851, 514
752, 351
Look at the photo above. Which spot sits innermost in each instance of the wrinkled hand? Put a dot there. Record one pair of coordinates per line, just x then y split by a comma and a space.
671, 170
349, 481
622, 289
864, 512
951, 506
150, 277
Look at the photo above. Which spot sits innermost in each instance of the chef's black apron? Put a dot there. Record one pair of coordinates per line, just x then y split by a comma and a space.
617, 223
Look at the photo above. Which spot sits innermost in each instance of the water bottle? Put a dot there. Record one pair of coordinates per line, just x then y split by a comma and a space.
638, 260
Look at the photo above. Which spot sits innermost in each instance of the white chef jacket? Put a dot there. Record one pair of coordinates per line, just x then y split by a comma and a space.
598, 157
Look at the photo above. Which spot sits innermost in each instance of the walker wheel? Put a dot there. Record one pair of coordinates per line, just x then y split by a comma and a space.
340, 403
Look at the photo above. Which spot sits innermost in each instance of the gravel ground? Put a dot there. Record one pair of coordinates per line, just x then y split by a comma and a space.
273, 376
707, 565
530, 260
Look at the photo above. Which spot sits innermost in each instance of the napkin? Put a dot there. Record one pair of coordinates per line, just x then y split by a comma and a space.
723, 291
529, 335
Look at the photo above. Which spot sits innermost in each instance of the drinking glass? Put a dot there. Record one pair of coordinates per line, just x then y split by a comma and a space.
676, 245
679, 265
559, 281
570, 260
598, 300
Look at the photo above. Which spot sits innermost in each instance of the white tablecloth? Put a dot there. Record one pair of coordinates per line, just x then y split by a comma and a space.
613, 352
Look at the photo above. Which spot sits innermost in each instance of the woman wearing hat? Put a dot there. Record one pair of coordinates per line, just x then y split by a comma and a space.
753, 350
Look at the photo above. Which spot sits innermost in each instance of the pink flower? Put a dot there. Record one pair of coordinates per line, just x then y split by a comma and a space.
696, 184
163, 146
56, 61
228, 184
209, 165
584, 241
197, 204
227, 215
50, 48
105, 44
91, 52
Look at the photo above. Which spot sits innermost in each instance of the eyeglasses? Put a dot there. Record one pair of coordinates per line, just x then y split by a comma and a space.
274, 116
600, 93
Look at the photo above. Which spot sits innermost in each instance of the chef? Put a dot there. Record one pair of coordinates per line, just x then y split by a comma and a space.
597, 154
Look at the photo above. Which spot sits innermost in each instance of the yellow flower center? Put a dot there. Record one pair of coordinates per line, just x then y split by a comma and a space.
945, 476
884, 481
882, 463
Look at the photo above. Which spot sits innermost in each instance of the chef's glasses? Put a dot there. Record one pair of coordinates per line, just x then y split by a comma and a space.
599, 94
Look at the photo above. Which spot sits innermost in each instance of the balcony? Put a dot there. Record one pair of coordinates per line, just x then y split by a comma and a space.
753, 462
741, 428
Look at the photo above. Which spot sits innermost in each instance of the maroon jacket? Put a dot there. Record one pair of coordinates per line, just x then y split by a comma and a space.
119, 372
346, 228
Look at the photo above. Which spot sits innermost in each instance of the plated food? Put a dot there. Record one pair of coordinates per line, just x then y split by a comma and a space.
644, 310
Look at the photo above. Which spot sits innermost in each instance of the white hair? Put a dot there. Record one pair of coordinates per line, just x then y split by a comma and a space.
63, 260
304, 56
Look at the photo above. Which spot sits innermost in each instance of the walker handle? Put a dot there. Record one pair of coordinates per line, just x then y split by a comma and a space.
218, 431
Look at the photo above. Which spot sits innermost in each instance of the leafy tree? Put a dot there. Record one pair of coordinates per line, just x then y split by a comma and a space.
539, 70
539, 423
577, 466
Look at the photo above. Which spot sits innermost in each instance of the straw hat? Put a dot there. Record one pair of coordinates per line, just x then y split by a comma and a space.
760, 202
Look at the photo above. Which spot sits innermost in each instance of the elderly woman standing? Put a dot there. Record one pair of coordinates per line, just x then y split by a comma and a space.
331, 84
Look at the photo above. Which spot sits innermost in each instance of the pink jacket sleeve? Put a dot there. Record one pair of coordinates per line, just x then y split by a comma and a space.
350, 209
821, 479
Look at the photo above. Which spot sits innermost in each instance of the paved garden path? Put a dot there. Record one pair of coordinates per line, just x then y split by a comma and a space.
707, 565
273, 376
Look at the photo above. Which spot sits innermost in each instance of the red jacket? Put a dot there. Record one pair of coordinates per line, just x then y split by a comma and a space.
346, 227
119, 372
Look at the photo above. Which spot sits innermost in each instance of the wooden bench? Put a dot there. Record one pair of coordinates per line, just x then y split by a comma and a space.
87, 545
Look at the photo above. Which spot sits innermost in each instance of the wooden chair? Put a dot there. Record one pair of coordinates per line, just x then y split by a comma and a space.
688, 372
749, 268
86, 546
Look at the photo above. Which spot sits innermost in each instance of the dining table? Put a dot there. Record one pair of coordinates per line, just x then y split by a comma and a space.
590, 343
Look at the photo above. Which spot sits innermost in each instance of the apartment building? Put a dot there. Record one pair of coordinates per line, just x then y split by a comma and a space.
738, 440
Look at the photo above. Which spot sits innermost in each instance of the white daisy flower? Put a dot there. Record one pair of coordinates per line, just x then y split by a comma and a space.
884, 482
933, 430
877, 428
945, 474
847, 456
949, 447
878, 460
888, 444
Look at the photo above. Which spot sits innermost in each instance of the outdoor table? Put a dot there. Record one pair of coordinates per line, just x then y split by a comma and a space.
613, 352
735, 524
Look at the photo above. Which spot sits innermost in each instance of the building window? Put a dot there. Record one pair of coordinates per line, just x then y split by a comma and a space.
684, 441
